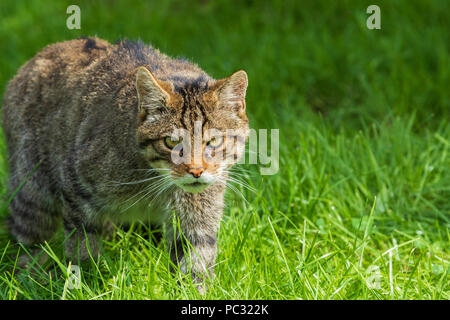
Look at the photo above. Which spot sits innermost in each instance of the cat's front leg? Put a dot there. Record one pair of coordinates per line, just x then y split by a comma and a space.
194, 247
81, 233
197, 258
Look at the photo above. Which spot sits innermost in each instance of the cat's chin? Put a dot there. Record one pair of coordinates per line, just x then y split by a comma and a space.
195, 187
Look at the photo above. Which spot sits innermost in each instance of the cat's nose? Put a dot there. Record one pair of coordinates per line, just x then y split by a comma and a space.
196, 172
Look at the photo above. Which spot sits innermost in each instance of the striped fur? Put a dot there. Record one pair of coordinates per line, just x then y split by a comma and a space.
80, 137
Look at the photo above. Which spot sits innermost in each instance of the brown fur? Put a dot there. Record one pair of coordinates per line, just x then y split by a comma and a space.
88, 119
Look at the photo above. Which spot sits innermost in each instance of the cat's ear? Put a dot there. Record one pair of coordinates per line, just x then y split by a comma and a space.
232, 90
151, 95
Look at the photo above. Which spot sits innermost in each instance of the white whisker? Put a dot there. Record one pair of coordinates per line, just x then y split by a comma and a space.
242, 184
135, 182
149, 189
236, 191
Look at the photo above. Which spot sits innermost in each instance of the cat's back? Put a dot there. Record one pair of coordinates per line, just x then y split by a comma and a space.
82, 69
55, 63
65, 91
42, 82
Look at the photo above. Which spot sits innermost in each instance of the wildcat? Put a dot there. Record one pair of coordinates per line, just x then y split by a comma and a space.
90, 127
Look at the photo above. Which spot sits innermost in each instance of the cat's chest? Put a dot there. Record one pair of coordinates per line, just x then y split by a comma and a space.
154, 213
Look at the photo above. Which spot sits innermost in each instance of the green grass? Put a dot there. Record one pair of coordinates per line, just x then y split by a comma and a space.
364, 180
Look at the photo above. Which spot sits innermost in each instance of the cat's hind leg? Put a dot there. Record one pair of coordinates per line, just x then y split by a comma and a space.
82, 235
31, 222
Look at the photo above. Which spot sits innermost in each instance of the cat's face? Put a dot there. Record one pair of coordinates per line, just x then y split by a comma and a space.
190, 129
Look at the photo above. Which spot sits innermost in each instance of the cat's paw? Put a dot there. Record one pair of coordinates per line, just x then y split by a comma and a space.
202, 289
108, 230
36, 257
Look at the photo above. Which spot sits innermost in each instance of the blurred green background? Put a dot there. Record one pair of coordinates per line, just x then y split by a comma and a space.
317, 56
364, 139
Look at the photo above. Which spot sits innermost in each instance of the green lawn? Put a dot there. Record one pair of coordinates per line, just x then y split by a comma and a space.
360, 206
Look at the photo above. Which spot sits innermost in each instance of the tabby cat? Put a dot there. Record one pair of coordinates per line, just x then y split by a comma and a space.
91, 129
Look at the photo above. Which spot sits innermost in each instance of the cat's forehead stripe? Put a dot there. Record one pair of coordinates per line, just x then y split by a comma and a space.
198, 84
193, 108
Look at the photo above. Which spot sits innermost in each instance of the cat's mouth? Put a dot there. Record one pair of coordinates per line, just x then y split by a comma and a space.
195, 184
194, 187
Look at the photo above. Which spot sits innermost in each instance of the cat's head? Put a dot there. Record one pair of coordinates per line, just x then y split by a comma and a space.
192, 128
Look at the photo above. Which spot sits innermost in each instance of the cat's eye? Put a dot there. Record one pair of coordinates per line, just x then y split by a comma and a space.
170, 143
215, 142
